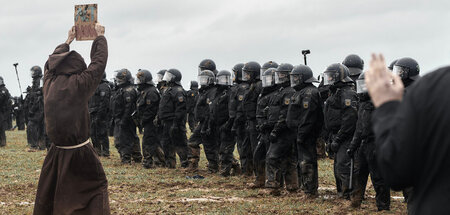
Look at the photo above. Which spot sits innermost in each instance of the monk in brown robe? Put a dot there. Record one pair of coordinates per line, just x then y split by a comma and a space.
72, 179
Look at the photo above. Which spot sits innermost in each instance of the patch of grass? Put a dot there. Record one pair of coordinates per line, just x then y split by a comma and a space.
135, 190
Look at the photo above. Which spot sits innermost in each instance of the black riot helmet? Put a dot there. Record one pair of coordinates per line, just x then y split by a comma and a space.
207, 64
36, 72
267, 65
302, 74
391, 66
354, 64
194, 85
123, 76
160, 75
282, 73
237, 72
407, 68
206, 78
250, 71
268, 77
144, 77
2, 83
172, 76
224, 78
335, 73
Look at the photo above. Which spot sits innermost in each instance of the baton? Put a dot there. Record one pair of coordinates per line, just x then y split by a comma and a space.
351, 173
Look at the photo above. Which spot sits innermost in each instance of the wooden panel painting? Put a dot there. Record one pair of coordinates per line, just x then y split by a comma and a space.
85, 19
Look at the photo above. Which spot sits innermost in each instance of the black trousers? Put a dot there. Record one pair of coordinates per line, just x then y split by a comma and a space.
259, 157
249, 145
35, 134
2, 134
174, 143
125, 132
151, 147
99, 135
210, 146
226, 144
307, 154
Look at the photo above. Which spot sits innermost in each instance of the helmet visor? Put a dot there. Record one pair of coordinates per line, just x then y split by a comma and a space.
281, 77
400, 71
361, 86
203, 80
159, 78
246, 76
296, 80
267, 81
168, 77
329, 78
224, 80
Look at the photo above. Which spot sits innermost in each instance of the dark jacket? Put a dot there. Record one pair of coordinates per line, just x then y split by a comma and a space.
278, 108
413, 143
172, 105
4, 99
68, 85
147, 104
99, 102
191, 100
219, 106
205, 97
251, 99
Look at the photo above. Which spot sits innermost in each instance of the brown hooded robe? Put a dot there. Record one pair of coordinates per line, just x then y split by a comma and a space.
72, 181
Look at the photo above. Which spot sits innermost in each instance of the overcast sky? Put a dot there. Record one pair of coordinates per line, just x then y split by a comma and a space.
166, 34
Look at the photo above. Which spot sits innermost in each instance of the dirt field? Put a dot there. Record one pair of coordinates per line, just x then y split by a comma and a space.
134, 190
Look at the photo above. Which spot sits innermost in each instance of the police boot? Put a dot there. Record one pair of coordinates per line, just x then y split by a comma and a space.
235, 168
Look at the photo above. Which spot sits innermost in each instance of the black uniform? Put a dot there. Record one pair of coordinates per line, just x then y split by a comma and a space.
125, 129
412, 139
35, 126
147, 106
191, 100
249, 107
99, 111
19, 113
221, 126
236, 110
364, 139
200, 134
4, 99
264, 128
172, 114
305, 118
281, 160
340, 121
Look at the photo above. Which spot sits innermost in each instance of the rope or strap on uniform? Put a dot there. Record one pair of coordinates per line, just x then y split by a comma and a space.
75, 146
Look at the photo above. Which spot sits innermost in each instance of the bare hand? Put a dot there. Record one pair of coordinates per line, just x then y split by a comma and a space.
383, 86
99, 29
72, 34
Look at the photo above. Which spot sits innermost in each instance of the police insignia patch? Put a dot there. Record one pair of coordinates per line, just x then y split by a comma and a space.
305, 105
128, 99
148, 101
241, 97
102, 93
192, 94
180, 99
348, 102
287, 101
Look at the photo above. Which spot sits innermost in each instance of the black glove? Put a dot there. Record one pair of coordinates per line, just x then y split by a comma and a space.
350, 152
175, 129
272, 137
334, 146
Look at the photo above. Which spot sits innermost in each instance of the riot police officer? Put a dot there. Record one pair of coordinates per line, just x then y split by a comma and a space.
201, 135
408, 69
281, 160
191, 100
160, 83
362, 149
19, 112
263, 126
4, 99
124, 105
250, 73
35, 107
172, 115
237, 117
219, 124
147, 108
340, 121
305, 118
99, 111
207, 64
266, 66
355, 66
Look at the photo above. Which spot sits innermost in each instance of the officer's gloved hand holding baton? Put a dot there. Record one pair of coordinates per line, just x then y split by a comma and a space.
383, 86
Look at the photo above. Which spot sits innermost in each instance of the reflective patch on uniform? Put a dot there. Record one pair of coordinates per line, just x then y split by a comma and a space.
102, 93
180, 99
305, 105
287, 101
192, 94
208, 101
128, 99
148, 101
241, 97
180, 89
348, 102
